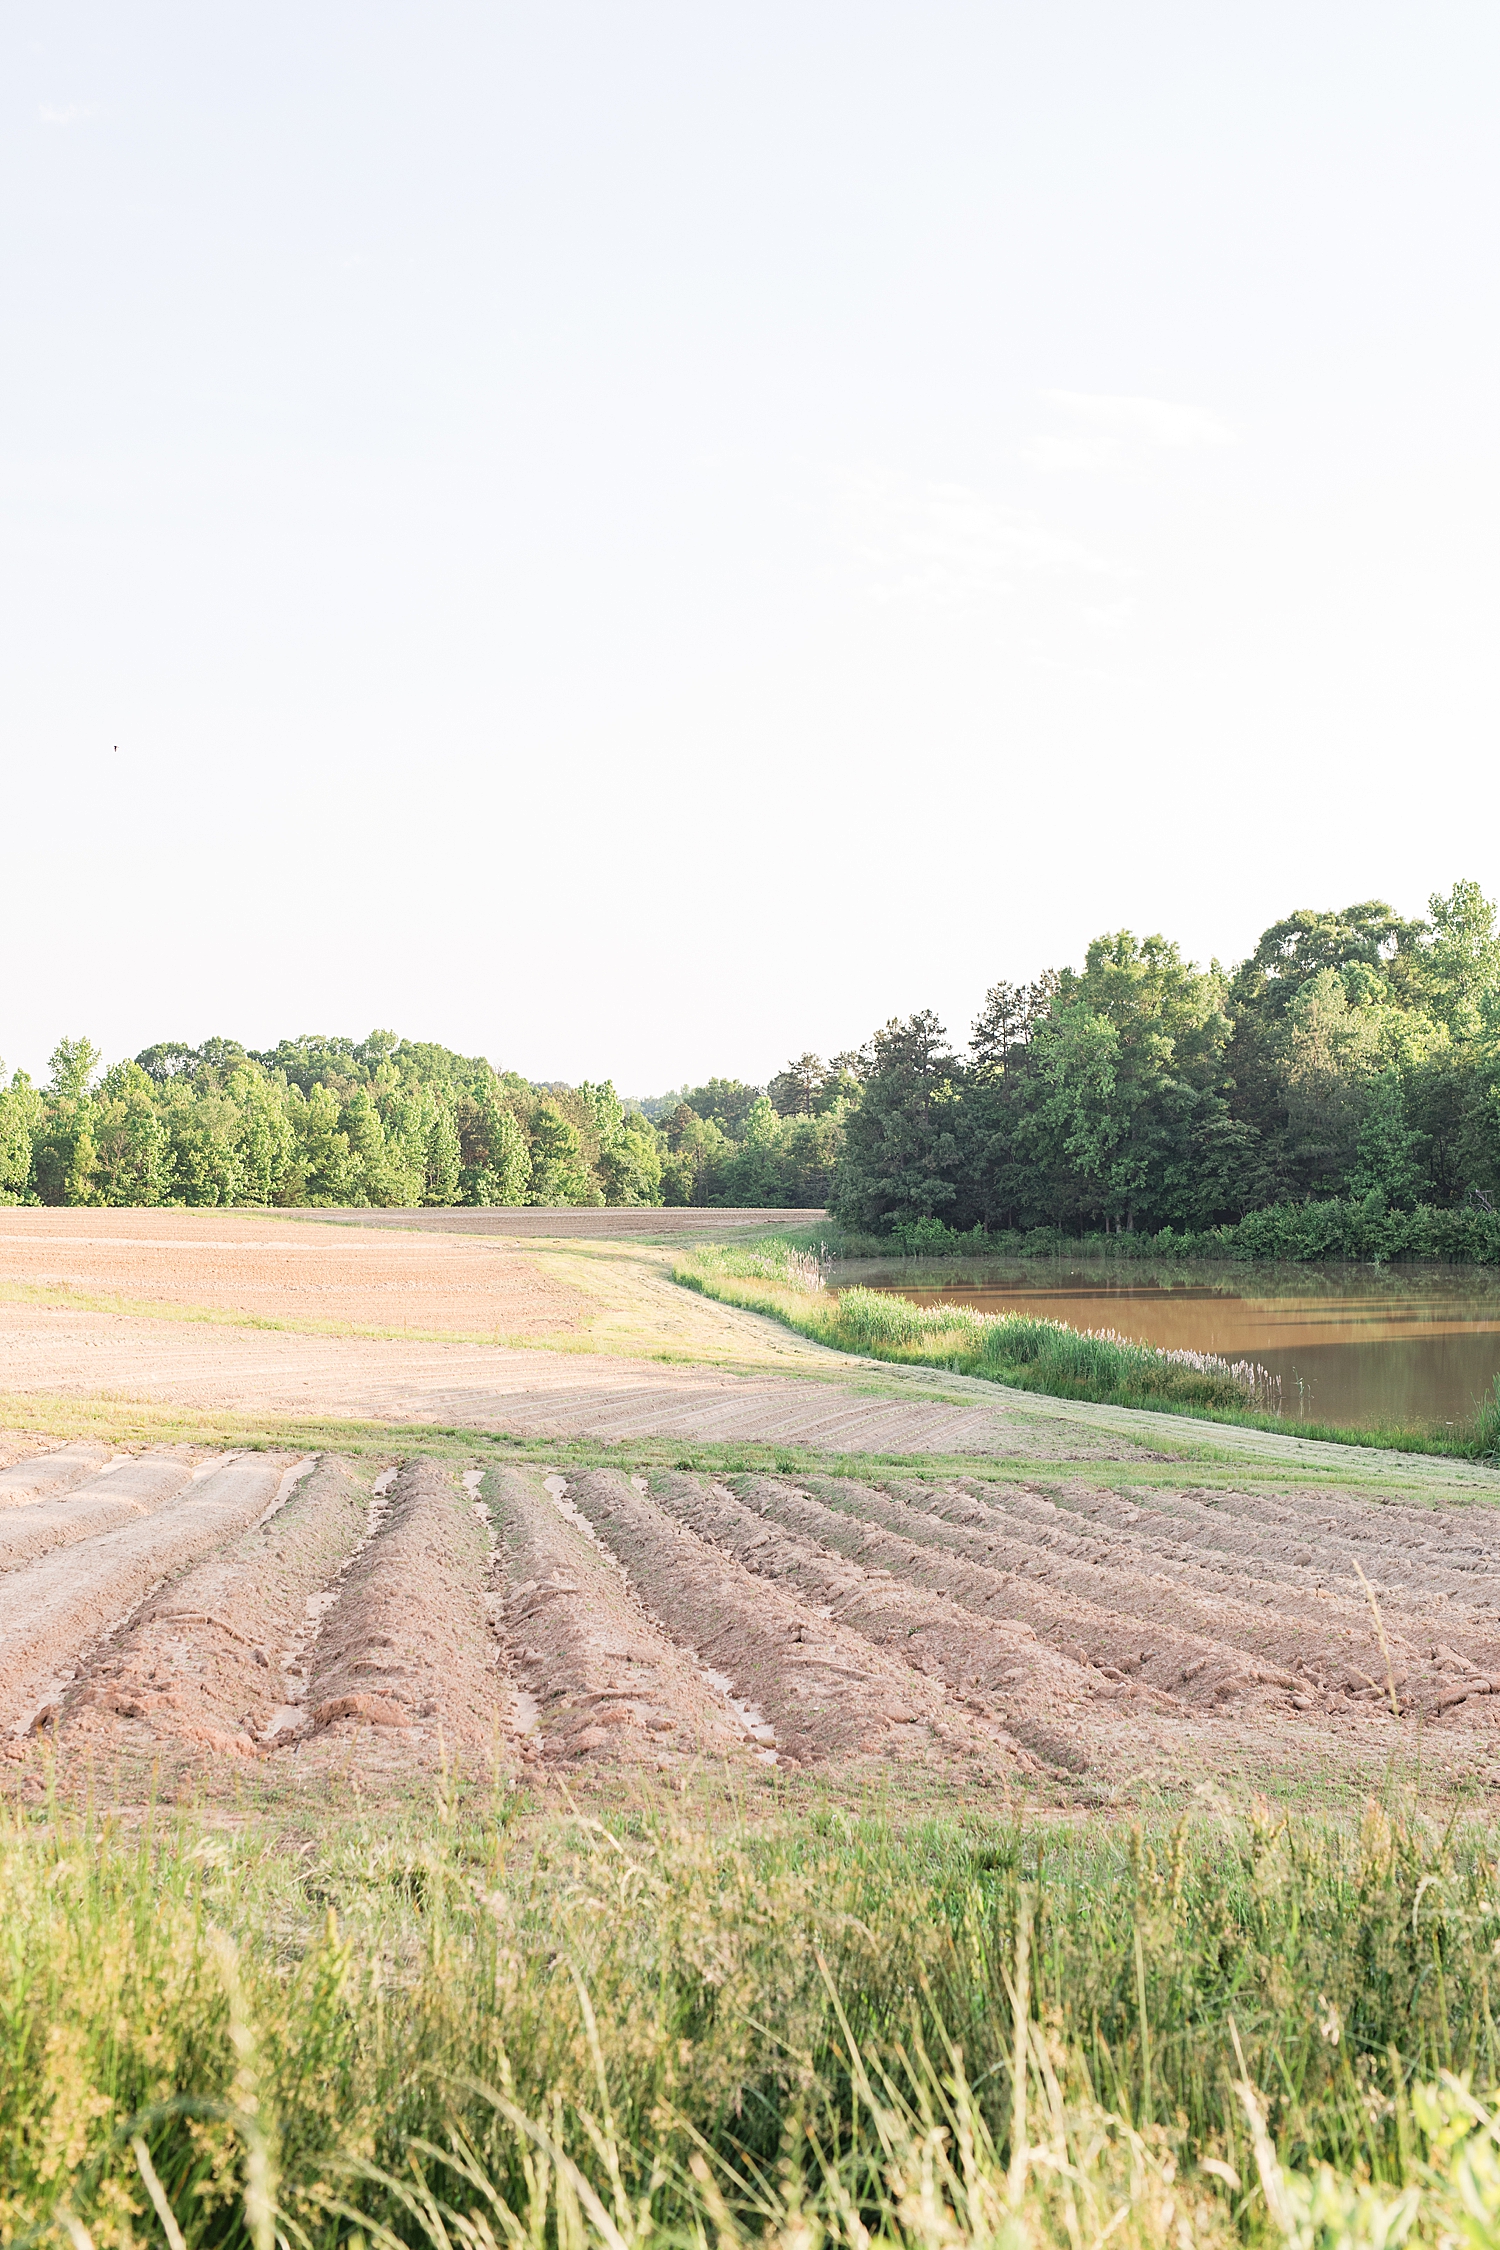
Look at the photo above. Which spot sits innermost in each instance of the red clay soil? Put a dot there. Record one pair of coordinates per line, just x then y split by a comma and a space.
827, 1692
405, 1667
607, 1685
136, 1487
1308, 1624
54, 1611
201, 1674
41, 1476
994, 1666
853, 1519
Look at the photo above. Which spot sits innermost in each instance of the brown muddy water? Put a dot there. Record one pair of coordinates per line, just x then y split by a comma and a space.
1355, 1345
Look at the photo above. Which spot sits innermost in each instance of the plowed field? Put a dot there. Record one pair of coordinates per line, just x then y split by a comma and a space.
210, 1618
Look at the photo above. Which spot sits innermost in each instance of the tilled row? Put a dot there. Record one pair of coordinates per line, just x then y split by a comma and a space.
201, 1666
45, 1475
1408, 1556
119, 1494
1453, 1551
1342, 1637
166, 1609
595, 1676
57, 1608
995, 1666
826, 1691
977, 1571
1176, 1642
408, 1642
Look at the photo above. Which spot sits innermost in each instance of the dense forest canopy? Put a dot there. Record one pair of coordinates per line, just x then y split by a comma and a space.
1353, 1061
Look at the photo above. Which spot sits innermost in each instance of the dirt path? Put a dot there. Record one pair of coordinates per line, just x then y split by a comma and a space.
598, 1678
124, 1491
825, 1691
53, 1611
210, 1664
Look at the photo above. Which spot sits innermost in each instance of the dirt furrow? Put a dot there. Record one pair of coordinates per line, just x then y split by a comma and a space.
826, 1692
1194, 1646
597, 1678
996, 1666
1398, 1548
1174, 1665
201, 1674
47, 1474
55, 1610
406, 1650
1325, 1633
134, 1488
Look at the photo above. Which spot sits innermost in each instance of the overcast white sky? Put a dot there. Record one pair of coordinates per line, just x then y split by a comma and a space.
638, 539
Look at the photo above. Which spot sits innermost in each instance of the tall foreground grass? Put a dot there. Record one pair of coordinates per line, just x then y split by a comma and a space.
821, 2030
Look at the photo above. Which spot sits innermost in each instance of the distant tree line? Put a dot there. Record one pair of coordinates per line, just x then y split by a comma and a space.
1351, 1064
1336, 1092
389, 1121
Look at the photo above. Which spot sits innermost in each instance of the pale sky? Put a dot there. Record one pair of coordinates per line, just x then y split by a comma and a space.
640, 539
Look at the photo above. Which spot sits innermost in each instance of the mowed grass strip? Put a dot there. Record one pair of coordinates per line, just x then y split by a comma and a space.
127, 1422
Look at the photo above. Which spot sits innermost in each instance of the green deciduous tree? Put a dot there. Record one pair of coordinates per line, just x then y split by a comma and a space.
902, 1156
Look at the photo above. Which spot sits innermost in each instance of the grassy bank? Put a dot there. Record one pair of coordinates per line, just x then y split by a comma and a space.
786, 1282
502, 2033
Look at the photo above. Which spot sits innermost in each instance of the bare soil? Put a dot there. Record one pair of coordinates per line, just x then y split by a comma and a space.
225, 1261
599, 1679
54, 1610
42, 1475
994, 1666
826, 1692
130, 1488
57, 1353
257, 1619
570, 1224
408, 1650
212, 1662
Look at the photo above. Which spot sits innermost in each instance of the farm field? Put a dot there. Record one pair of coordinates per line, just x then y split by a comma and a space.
293, 1623
592, 1662
254, 1558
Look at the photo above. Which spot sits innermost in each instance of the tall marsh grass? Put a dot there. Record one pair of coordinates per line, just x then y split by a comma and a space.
1047, 1355
827, 2031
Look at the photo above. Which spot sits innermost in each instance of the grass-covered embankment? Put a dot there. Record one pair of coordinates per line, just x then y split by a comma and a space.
557, 2034
787, 1282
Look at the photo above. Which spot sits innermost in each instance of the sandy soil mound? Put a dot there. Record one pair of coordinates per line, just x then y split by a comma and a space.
46, 1474
211, 1664
130, 1489
55, 1610
407, 1650
825, 1691
598, 1679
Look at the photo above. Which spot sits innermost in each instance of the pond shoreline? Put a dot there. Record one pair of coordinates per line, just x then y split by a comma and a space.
1411, 1345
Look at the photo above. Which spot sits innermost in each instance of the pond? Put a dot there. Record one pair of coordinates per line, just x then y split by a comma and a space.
1357, 1346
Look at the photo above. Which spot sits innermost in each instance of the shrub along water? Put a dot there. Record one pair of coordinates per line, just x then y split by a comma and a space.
823, 2028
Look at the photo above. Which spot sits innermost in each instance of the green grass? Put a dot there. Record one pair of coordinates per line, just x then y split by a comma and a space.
559, 2031
774, 1278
